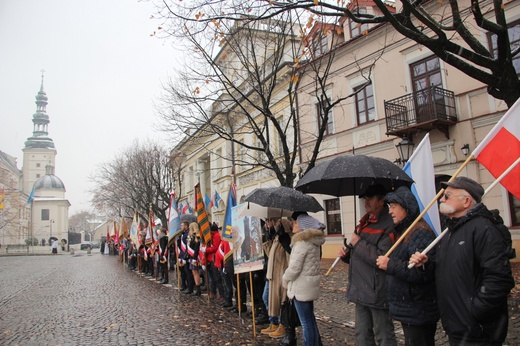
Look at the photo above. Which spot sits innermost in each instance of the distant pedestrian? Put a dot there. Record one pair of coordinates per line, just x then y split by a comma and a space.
473, 273
54, 246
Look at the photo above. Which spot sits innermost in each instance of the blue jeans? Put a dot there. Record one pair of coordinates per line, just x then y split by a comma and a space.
265, 298
372, 323
311, 334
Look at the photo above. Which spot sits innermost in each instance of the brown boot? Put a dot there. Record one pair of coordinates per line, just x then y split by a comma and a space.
271, 329
279, 332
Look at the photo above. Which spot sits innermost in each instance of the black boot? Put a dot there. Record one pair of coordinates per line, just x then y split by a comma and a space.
196, 290
187, 291
290, 337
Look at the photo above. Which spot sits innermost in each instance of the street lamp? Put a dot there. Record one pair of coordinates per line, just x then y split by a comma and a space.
465, 149
404, 149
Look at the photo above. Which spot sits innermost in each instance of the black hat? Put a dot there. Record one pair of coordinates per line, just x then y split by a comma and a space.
471, 186
374, 190
295, 215
214, 227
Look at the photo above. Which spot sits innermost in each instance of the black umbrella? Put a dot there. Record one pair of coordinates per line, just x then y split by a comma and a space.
351, 175
189, 218
284, 198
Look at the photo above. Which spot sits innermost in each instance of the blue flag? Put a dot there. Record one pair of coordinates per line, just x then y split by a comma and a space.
31, 196
420, 168
216, 199
207, 201
231, 202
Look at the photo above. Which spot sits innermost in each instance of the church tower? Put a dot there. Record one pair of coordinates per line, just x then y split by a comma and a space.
39, 149
49, 206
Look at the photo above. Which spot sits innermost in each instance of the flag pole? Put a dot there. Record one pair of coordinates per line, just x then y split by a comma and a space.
438, 239
434, 200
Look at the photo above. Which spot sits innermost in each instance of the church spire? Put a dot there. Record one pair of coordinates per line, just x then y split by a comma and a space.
41, 122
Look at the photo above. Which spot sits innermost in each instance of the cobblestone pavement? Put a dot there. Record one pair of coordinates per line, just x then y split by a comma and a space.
92, 300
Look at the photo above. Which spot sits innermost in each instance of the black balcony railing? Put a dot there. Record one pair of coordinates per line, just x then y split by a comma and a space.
424, 110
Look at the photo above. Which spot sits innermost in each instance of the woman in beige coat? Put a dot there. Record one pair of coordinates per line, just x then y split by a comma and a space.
276, 265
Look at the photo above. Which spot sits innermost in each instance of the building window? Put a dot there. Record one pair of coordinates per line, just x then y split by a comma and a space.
45, 214
320, 44
329, 129
37, 165
37, 176
365, 107
514, 206
426, 74
357, 29
333, 215
514, 38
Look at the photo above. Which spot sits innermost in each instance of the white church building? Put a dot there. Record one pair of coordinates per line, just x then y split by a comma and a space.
35, 205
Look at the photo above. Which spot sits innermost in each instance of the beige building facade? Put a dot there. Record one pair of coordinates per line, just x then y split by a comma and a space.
407, 92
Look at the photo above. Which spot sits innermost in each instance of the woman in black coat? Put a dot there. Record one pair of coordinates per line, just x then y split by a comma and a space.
410, 292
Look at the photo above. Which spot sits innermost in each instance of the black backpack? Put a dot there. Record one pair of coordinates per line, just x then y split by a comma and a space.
504, 231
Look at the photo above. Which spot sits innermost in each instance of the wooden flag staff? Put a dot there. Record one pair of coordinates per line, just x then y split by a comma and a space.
438, 239
434, 200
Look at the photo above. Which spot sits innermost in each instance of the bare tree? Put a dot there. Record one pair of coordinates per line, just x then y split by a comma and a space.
240, 86
82, 221
451, 29
140, 178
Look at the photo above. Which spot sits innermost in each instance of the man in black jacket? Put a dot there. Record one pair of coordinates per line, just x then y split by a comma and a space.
473, 273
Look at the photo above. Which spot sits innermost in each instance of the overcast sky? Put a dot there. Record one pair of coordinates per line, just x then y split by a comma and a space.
103, 72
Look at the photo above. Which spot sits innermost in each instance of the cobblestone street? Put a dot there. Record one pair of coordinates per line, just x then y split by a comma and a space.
92, 300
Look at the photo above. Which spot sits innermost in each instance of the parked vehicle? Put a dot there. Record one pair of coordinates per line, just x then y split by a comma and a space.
86, 245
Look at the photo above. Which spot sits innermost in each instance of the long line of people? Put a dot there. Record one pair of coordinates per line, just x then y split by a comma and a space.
382, 287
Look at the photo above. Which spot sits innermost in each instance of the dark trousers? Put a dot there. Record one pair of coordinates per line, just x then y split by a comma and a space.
215, 279
258, 290
419, 335
241, 289
164, 270
190, 282
227, 286
184, 277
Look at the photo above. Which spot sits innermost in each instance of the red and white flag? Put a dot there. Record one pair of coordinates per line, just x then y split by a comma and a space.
501, 148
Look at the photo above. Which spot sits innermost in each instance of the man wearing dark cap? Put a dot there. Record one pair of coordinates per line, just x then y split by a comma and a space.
473, 273
373, 237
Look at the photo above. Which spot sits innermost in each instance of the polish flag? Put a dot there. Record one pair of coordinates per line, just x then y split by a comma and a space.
501, 148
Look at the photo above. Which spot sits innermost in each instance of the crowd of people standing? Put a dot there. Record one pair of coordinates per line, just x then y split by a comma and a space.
463, 281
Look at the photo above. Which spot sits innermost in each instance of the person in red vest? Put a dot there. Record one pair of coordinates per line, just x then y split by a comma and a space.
215, 280
225, 276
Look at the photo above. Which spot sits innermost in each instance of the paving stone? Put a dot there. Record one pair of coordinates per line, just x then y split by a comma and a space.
93, 300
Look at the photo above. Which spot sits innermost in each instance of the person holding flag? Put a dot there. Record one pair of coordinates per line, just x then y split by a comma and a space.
163, 255
215, 281
473, 272
411, 293
193, 256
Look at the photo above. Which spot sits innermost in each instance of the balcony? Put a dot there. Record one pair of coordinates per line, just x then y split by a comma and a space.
432, 108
